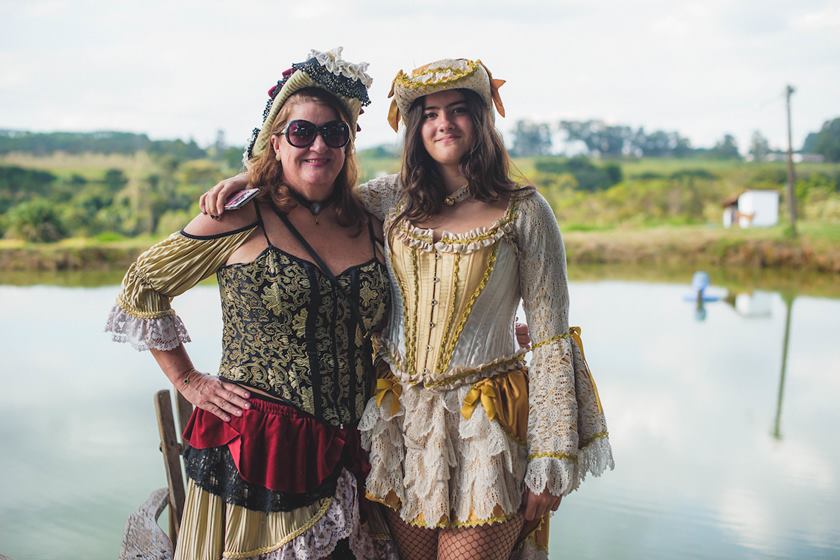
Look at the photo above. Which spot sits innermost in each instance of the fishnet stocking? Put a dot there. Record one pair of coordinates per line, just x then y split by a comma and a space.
490, 542
414, 543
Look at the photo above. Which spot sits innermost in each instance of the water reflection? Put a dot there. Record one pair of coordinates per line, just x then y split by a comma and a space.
777, 425
723, 430
754, 304
702, 467
702, 292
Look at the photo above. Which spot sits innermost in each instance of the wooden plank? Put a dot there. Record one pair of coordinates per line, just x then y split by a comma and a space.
171, 450
142, 537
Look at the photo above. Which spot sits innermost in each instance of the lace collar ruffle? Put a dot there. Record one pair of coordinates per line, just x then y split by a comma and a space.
463, 243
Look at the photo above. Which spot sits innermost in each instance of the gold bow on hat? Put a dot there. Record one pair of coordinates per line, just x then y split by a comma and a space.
494, 90
393, 111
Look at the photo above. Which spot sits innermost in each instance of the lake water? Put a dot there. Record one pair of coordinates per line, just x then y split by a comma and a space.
720, 451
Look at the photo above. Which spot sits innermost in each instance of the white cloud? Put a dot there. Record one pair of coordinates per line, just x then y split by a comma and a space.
188, 68
826, 18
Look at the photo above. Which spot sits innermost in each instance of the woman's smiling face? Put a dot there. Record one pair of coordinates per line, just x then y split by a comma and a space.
447, 129
312, 170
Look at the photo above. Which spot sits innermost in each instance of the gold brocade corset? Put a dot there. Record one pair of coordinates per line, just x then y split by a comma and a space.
304, 337
439, 290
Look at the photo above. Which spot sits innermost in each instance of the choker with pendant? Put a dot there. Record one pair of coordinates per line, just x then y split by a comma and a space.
315, 207
460, 194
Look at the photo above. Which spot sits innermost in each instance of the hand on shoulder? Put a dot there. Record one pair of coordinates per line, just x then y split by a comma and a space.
213, 201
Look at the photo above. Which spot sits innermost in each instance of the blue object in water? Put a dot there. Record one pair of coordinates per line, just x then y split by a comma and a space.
699, 284
700, 281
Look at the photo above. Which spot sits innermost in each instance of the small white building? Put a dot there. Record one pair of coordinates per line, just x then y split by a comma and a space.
752, 209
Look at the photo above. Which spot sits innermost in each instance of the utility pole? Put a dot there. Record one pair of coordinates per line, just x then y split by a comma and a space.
791, 176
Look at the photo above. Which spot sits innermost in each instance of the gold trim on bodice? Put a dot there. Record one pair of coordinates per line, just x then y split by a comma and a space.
439, 292
440, 283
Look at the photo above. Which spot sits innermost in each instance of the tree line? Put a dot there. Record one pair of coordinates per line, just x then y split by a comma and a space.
155, 195
111, 142
44, 206
156, 192
532, 138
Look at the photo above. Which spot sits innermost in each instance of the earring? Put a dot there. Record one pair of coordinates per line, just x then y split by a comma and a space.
277, 156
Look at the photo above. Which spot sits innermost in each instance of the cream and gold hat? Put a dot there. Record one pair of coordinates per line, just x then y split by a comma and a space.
323, 70
450, 73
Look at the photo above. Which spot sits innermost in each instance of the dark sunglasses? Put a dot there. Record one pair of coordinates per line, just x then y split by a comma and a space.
302, 134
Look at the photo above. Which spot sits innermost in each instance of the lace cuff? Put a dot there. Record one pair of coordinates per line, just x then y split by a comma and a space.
160, 333
555, 474
553, 408
560, 474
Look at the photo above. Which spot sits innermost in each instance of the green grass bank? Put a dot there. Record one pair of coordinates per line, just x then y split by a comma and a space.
816, 249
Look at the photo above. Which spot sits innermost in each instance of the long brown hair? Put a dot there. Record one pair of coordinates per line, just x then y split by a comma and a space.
267, 173
486, 166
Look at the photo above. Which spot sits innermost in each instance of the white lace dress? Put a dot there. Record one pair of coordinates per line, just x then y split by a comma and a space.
459, 426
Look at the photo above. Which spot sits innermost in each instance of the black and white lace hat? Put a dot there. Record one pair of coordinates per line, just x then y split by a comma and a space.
324, 70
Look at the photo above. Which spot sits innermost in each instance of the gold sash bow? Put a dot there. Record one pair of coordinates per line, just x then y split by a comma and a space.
385, 386
504, 399
484, 391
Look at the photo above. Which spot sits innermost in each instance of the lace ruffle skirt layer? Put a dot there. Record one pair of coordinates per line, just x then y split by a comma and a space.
275, 484
452, 459
441, 460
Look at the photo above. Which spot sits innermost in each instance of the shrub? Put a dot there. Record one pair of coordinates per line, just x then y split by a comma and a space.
36, 220
589, 177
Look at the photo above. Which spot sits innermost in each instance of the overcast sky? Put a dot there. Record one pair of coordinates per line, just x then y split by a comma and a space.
186, 68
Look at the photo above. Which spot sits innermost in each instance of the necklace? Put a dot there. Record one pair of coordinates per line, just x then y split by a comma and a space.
461, 194
315, 207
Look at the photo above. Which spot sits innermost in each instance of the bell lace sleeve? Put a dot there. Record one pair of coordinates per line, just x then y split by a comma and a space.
561, 393
380, 195
142, 315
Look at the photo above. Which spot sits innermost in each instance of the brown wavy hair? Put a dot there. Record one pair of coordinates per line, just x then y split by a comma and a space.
486, 166
267, 173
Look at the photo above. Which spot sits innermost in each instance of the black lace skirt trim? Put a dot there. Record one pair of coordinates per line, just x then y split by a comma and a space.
213, 470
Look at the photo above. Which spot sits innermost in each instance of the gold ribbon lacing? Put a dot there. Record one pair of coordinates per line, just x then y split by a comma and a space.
486, 391
574, 332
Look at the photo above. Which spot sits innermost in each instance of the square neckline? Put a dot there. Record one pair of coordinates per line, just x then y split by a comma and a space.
448, 237
303, 261
316, 261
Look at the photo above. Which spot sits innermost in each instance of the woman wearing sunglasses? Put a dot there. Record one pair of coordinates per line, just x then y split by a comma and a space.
274, 461
471, 450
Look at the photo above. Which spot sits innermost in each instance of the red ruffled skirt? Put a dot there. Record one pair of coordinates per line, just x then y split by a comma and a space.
278, 447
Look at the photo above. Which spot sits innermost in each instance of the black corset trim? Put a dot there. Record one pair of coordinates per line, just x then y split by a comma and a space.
213, 470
